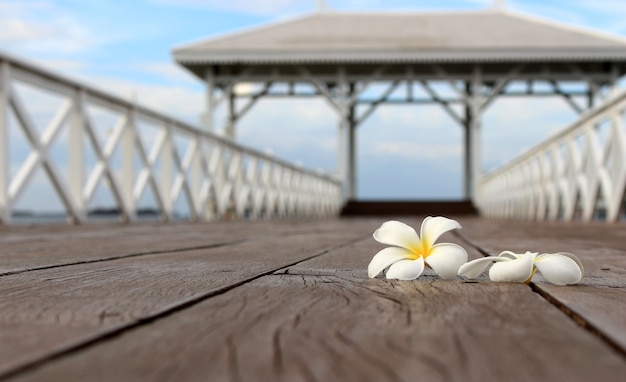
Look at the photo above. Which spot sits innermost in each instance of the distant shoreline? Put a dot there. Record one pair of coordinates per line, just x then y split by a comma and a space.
97, 214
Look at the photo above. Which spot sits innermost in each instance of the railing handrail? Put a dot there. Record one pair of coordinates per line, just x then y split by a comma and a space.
576, 173
91, 90
216, 175
587, 116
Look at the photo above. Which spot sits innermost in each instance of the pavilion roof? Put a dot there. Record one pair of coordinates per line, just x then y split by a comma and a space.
325, 37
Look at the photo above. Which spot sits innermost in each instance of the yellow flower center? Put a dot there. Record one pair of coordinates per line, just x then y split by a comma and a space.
422, 250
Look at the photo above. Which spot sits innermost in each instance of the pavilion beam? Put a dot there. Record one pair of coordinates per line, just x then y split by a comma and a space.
442, 102
566, 96
228, 95
383, 98
500, 85
445, 76
253, 99
320, 87
594, 88
229, 82
374, 76
591, 94
438, 74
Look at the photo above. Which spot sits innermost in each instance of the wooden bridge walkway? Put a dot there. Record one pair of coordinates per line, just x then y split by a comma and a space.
291, 301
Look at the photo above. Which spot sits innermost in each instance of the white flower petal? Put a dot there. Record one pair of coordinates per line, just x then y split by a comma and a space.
398, 234
518, 270
385, 258
406, 269
446, 258
559, 269
573, 257
474, 268
433, 227
510, 255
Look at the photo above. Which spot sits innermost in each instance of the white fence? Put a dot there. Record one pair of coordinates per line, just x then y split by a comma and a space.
142, 150
578, 174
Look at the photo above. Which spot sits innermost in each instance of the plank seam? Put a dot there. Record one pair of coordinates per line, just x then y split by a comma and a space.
129, 255
115, 332
577, 318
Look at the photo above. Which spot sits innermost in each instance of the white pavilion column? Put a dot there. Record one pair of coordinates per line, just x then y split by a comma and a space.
352, 147
347, 129
231, 122
209, 118
473, 146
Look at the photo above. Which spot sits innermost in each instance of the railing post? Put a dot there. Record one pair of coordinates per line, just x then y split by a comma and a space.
218, 174
195, 185
167, 174
5, 169
127, 142
77, 155
234, 172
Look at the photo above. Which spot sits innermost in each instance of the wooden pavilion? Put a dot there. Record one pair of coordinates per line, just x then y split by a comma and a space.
341, 54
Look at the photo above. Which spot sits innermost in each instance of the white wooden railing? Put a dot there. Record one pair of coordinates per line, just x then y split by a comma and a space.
215, 176
577, 174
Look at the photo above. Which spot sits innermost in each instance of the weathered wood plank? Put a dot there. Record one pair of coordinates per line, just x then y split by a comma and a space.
47, 311
599, 300
344, 326
27, 248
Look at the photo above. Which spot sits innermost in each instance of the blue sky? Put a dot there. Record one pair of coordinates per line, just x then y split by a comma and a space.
124, 47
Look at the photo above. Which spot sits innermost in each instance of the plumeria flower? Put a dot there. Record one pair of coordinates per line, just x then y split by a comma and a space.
409, 252
559, 268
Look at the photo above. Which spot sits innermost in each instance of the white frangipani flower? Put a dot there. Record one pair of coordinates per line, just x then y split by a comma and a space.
559, 268
409, 252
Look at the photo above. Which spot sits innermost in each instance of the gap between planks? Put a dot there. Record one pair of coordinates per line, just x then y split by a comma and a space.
117, 331
320, 327
579, 319
191, 302
128, 256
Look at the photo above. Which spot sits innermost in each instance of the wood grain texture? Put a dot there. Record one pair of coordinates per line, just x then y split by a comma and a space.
600, 298
26, 248
46, 311
345, 326
254, 310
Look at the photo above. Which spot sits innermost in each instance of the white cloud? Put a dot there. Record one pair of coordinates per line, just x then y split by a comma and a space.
40, 26
416, 150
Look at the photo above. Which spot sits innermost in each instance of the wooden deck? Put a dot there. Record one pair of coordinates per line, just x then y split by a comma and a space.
291, 301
